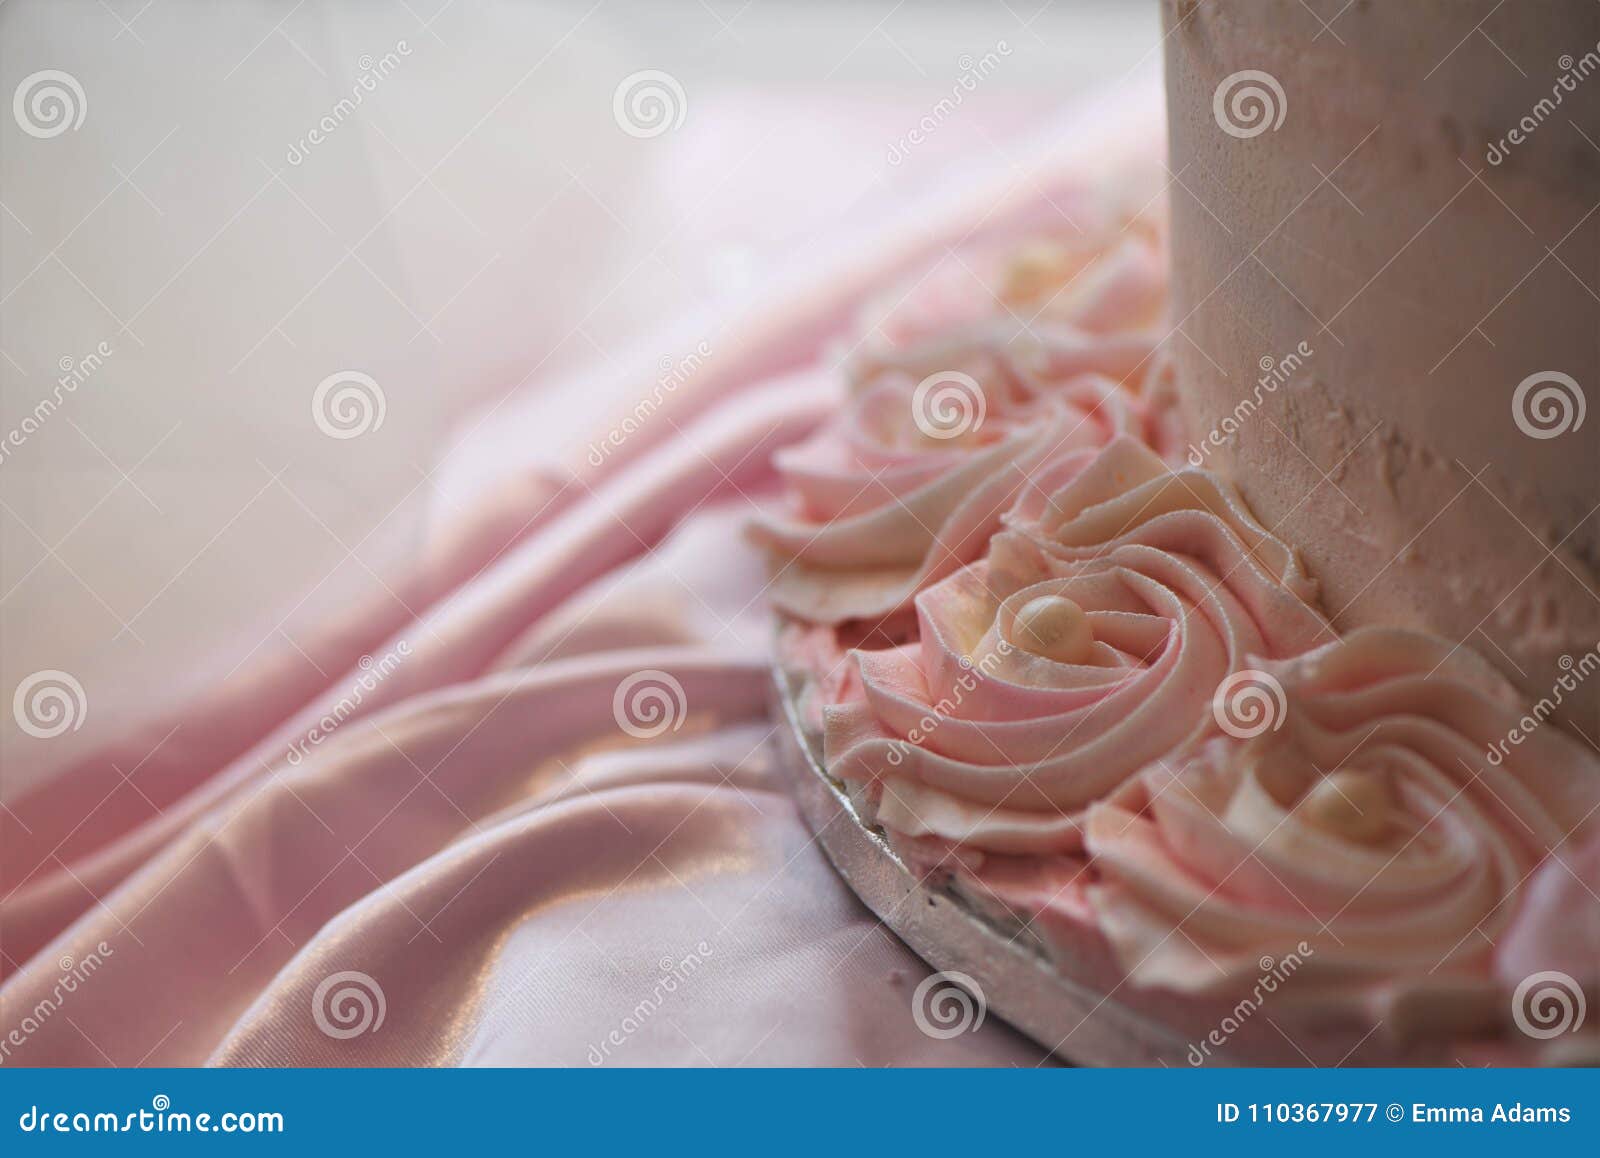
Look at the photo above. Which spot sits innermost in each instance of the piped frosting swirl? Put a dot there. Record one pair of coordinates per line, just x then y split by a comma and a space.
1048, 673
955, 397
1368, 824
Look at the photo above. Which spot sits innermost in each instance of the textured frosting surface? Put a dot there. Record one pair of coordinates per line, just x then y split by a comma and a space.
1390, 436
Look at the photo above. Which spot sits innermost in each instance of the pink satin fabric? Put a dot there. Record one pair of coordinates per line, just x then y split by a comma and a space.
522, 880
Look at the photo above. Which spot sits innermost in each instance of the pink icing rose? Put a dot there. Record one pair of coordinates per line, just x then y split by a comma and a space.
1364, 829
1089, 644
1019, 353
1104, 271
909, 482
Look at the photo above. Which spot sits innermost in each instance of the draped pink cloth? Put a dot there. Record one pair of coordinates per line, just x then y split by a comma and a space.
454, 852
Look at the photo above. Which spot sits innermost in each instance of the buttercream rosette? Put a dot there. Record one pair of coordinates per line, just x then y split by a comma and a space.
1047, 674
1365, 830
911, 479
1102, 270
955, 394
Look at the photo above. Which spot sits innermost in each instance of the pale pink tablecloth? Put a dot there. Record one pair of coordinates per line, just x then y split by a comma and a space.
477, 847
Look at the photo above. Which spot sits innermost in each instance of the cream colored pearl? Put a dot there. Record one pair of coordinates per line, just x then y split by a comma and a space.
1054, 627
1035, 269
1350, 804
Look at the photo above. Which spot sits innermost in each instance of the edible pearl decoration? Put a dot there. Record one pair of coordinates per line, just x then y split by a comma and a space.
1349, 803
1055, 628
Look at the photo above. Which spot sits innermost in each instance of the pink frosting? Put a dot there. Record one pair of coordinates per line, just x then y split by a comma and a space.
977, 740
1365, 829
1110, 279
954, 398
1558, 924
883, 509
